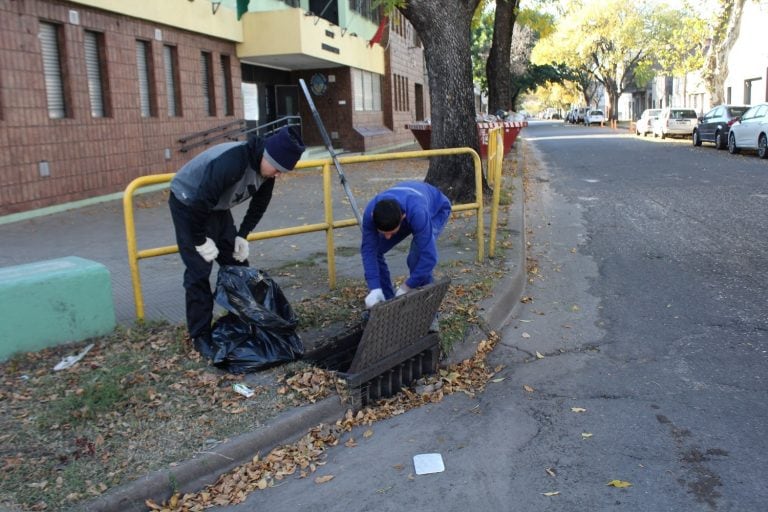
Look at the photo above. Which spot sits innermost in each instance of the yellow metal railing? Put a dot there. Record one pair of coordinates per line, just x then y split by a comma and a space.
329, 224
494, 166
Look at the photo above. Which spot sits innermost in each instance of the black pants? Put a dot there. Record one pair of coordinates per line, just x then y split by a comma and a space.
199, 298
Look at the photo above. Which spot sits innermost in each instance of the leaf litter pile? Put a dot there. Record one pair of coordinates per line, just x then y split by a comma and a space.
139, 400
142, 399
305, 456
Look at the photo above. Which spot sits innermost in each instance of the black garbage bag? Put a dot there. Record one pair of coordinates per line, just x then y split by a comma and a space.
259, 329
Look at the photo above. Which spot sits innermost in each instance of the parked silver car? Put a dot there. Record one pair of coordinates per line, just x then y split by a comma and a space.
751, 131
675, 121
644, 125
594, 116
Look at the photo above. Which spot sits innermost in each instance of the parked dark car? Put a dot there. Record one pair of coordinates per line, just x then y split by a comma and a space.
715, 125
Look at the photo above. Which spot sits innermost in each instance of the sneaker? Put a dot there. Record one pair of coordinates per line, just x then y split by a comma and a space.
204, 345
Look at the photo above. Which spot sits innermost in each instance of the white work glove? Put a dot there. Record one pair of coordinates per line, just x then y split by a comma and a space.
402, 290
374, 298
241, 249
208, 250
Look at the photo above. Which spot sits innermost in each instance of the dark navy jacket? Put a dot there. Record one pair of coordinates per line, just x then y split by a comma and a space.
221, 177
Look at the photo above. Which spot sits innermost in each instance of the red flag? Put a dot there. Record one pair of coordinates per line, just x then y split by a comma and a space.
379, 31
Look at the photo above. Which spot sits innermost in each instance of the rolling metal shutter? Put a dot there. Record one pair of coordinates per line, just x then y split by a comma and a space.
93, 72
54, 86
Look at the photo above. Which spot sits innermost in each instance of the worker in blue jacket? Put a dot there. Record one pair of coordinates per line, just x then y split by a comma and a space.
409, 208
202, 193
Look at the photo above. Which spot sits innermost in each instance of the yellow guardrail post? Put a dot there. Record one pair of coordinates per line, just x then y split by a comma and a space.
130, 234
329, 224
494, 169
329, 246
493, 148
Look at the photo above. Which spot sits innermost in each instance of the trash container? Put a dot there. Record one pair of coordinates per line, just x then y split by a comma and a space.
422, 131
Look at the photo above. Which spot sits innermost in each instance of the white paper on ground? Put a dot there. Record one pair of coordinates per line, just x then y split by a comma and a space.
70, 361
426, 463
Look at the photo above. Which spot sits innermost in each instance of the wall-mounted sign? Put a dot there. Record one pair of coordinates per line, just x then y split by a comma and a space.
318, 84
250, 101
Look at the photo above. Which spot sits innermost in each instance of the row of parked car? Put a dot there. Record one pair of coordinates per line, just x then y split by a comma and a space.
585, 115
736, 127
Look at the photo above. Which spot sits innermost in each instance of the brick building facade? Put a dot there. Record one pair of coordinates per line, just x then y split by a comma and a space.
91, 99
55, 155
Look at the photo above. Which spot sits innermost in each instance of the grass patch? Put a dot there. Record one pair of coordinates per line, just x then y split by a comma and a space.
347, 251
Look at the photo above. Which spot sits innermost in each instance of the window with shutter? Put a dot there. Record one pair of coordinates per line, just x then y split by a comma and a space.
54, 83
171, 81
226, 89
357, 88
366, 90
95, 73
209, 101
146, 80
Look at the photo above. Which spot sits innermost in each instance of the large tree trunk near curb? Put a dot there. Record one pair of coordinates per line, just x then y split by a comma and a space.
444, 29
497, 68
716, 64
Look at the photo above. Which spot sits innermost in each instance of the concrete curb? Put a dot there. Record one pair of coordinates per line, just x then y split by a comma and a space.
203, 470
194, 474
496, 310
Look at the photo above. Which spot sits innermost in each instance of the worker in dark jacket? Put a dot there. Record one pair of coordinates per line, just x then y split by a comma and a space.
202, 193
409, 208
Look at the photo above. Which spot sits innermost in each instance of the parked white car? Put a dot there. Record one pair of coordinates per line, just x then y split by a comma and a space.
644, 125
594, 117
750, 131
675, 121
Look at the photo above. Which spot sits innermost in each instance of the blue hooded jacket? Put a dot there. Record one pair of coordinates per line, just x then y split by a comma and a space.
426, 211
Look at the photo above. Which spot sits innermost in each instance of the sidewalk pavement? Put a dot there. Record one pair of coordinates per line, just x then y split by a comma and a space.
97, 232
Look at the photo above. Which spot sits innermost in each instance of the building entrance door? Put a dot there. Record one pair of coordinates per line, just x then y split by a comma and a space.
286, 100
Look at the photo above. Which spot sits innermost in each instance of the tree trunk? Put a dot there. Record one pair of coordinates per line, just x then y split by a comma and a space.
497, 68
716, 65
444, 29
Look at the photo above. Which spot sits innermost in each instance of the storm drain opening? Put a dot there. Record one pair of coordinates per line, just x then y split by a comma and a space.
389, 350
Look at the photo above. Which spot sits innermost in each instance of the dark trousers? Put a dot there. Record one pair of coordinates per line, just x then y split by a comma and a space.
199, 298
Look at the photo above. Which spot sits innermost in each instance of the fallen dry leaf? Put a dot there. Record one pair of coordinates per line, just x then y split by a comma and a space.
528, 388
578, 409
586, 435
551, 493
496, 381
539, 355
525, 335
152, 505
303, 457
619, 483
323, 479
550, 471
